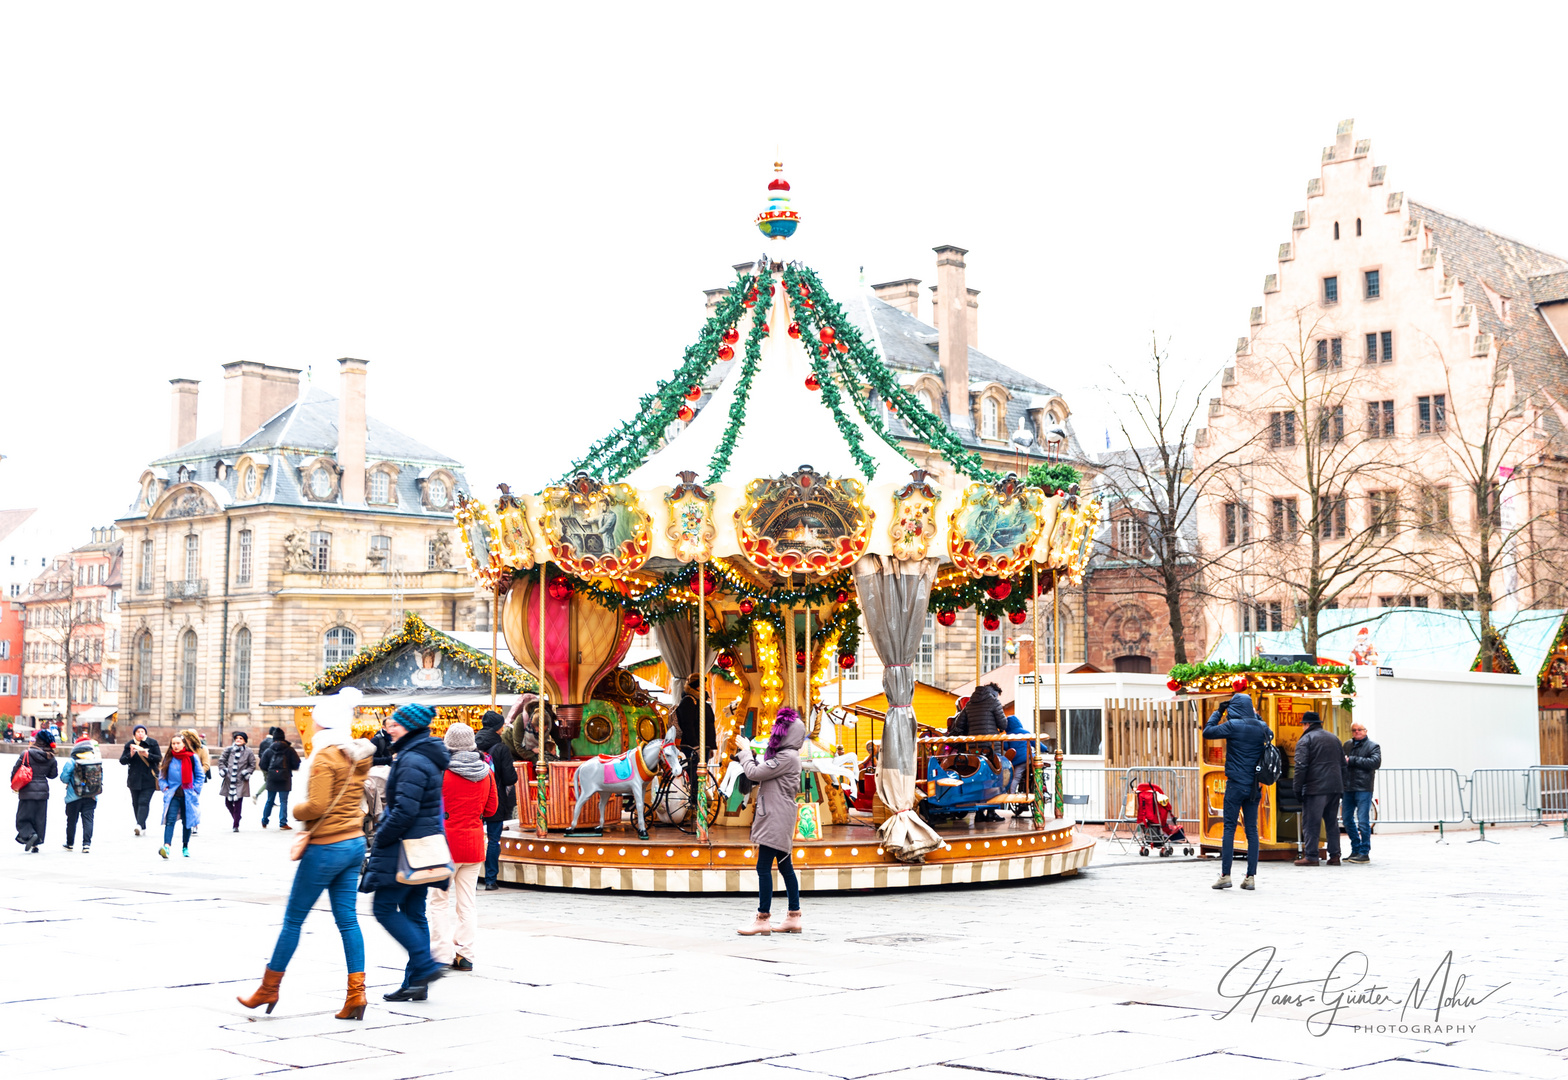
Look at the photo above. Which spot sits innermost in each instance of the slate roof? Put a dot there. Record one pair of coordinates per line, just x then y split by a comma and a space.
305, 429
1120, 479
1517, 271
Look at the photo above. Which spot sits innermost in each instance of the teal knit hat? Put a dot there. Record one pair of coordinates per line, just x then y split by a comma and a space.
415, 717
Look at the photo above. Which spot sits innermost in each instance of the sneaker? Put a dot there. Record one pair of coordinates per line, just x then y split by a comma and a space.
1222, 883
491, 886
68, 847
1249, 883
86, 848
163, 852
1358, 859
186, 852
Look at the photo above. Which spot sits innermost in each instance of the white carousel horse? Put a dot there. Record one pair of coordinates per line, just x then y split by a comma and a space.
625, 774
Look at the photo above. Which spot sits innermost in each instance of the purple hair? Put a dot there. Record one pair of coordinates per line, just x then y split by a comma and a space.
781, 722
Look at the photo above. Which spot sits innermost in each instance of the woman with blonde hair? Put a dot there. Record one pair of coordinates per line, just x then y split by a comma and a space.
181, 775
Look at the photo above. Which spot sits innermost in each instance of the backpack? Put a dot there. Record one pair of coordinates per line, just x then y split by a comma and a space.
1270, 765
87, 779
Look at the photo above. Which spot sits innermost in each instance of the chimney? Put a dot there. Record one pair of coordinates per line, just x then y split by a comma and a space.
182, 416
351, 430
974, 315
252, 394
952, 324
1025, 643
903, 294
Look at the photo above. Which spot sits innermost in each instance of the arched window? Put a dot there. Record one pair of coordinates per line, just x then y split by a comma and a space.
339, 645
438, 493
925, 401
242, 670
988, 418
188, 672
144, 672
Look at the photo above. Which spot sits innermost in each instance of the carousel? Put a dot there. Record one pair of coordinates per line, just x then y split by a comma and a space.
754, 530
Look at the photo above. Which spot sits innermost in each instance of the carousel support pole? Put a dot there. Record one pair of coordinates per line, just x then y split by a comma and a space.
1056, 674
979, 644
700, 796
807, 715
495, 629
541, 774
791, 689
1037, 773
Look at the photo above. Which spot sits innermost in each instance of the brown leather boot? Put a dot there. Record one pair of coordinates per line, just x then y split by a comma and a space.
267, 994
284, 826
1333, 860
354, 1004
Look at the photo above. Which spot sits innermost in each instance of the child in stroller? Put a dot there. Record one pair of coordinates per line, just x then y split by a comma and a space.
1155, 823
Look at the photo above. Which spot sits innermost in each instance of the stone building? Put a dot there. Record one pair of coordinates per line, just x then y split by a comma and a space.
1358, 403
996, 411
257, 555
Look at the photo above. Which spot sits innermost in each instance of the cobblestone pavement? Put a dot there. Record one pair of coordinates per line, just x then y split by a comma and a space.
118, 963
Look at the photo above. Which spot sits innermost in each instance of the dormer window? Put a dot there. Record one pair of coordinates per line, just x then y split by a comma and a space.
988, 418
321, 482
380, 485
438, 493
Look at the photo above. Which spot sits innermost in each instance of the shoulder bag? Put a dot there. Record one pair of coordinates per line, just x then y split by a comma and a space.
302, 841
424, 861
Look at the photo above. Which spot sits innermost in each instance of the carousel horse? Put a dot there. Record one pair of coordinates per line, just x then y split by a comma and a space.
625, 774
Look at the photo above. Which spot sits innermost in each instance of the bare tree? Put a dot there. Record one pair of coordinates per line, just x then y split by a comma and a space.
1326, 440
1491, 442
70, 630
1152, 490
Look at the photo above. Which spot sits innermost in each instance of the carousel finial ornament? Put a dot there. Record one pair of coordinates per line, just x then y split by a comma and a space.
778, 221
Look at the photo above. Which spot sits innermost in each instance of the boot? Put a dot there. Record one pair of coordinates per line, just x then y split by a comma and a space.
1222, 883
284, 826
1304, 861
354, 1003
411, 992
267, 994
758, 925
791, 923
1249, 883
1333, 860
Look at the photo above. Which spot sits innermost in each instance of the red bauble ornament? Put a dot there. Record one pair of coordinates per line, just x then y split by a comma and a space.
770, 290
843, 347
642, 630
766, 329
694, 393
726, 353
947, 618
807, 304
891, 407
805, 290
794, 330
1239, 684
846, 661
731, 336
1017, 618
747, 607
751, 298
559, 588
992, 622
826, 334
800, 658
813, 383
841, 597
631, 620
1172, 685
1001, 590
726, 661
685, 413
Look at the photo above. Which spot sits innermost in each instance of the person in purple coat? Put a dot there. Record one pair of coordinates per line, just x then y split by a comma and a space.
777, 777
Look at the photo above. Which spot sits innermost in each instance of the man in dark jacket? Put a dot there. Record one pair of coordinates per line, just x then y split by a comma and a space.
383, 744
984, 715
279, 760
32, 806
686, 717
1318, 781
489, 742
1363, 758
141, 757
1245, 737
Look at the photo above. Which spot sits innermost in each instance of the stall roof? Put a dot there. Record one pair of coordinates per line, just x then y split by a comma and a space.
96, 715
379, 698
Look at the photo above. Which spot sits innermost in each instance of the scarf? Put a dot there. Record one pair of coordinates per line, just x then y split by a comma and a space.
470, 765
183, 758
236, 755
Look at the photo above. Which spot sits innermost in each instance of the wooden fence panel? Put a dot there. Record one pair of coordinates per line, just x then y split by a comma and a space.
1554, 736
1153, 733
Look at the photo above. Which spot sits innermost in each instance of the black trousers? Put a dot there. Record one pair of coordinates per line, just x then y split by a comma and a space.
82, 809
1315, 811
141, 802
32, 817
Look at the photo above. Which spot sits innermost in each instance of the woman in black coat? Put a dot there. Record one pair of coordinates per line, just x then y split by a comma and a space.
279, 760
141, 757
686, 717
32, 806
984, 715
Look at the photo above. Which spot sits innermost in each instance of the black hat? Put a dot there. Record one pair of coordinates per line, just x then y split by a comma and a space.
492, 720
1310, 717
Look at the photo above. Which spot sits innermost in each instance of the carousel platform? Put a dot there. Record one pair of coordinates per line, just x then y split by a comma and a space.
847, 857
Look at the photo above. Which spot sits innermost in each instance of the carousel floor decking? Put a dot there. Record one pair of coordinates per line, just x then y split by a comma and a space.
847, 857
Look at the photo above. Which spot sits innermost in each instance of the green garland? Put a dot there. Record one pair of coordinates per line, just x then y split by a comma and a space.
1502, 660
1551, 652
1185, 673
864, 367
416, 631
1053, 478
628, 446
721, 453
976, 593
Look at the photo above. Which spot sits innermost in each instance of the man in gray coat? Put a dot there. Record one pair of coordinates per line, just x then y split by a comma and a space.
1318, 783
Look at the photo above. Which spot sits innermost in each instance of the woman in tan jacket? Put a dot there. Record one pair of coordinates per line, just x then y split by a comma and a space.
333, 815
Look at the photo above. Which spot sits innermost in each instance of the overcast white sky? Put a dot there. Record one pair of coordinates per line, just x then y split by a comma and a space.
511, 212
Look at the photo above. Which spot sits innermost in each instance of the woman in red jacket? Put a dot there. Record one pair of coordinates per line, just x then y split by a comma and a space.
469, 794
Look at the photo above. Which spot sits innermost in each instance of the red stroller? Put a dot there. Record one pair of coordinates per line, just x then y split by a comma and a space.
1156, 824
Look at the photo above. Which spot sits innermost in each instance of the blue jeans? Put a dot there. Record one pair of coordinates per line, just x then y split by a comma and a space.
335, 868
765, 859
175, 811
1241, 799
283, 810
400, 909
1358, 821
493, 850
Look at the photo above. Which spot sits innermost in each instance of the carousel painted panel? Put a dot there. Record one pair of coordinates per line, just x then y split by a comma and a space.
596, 530
996, 527
804, 522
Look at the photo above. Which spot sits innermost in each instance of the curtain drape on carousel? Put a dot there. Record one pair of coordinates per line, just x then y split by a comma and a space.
678, 649
893, 596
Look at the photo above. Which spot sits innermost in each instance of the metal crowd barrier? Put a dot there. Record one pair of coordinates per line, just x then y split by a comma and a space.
1095, 785
1419, 797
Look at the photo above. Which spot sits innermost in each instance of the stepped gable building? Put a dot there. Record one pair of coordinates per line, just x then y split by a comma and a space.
1394, 318
997, 411
257, 555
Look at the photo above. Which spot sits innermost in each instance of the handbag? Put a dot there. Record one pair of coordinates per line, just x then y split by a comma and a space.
302, 841
424, 861
24, 772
